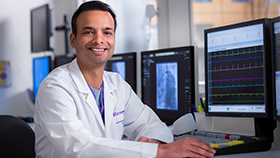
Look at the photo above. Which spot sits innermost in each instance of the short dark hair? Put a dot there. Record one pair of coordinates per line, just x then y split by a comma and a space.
88, 6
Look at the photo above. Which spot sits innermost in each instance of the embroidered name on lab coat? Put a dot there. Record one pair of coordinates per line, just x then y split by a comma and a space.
118, 113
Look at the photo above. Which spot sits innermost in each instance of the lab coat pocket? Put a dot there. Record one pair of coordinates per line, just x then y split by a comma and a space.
118, 126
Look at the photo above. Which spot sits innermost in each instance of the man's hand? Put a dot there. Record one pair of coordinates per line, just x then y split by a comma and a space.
185, 147
147, 140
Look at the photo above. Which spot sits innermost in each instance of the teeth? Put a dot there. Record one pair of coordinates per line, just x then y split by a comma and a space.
97, 50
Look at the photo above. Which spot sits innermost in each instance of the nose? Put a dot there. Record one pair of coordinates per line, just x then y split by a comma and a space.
98, 38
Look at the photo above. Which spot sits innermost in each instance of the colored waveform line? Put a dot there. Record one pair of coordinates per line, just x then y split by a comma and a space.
230, 86
238, 94
233, 79
240, 101
220, 61
238, 68
238, 53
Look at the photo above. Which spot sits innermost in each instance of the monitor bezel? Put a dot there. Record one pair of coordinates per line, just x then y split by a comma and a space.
65, 58
167, 120
134, 54
273, 20
47, 31
50, 69
267, 69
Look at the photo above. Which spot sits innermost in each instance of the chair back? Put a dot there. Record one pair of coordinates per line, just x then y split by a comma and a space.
17, 139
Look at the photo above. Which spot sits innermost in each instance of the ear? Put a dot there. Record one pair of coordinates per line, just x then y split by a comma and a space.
72, 40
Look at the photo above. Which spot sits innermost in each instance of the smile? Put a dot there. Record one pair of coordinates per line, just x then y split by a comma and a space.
97, 50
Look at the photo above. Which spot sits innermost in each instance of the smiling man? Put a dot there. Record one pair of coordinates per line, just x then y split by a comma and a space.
83, 111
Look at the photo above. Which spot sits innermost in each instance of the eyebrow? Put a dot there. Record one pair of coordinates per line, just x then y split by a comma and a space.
90, 28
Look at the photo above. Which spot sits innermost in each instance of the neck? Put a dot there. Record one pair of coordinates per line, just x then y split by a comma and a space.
93, 76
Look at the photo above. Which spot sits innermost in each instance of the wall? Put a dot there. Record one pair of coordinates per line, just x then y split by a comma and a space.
132, 30
15, 47
224, 12
61, 8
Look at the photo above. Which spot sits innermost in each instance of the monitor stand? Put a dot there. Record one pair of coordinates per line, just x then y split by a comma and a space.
264, 127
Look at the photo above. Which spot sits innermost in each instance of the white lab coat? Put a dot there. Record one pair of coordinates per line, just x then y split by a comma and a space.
68, 122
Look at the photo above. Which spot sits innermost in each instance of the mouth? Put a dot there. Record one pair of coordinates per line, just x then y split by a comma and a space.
98, 51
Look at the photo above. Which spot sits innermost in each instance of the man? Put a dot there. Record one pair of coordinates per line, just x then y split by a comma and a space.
83, 111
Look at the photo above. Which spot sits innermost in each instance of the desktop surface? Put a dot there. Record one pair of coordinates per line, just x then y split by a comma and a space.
273, 153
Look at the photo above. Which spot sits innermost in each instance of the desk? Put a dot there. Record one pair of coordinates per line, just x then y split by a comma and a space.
243, 126
272, 153
32, 125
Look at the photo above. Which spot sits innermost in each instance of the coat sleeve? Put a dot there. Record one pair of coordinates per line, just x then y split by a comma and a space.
141, 120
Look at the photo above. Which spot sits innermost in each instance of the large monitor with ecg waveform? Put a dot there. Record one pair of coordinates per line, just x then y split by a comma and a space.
238, 70
275, 34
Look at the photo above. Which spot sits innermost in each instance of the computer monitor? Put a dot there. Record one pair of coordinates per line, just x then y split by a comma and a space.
237, 66
125, 65
168, 81
275, 32
41, 29
41, 68
63, 59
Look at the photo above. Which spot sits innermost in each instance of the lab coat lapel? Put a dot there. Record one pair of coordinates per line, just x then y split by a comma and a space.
91, 102
84, 90
109, 104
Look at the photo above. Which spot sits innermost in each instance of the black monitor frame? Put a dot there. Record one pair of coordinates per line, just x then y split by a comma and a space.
273, 64
33, 69
184, 106
266, 71
63, 59
41, 30
130, 65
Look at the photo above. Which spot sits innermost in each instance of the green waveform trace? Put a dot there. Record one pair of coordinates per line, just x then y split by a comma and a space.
230, 86
238, 101
238, 94
238, 53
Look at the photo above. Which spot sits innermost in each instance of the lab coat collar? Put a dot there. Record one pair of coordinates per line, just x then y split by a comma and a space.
109, 98
109, 105
83, 89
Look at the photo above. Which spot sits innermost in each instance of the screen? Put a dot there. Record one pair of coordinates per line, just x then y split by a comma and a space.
237, 69
41, 68
40, 28
63, 59
276, 67
168, 81
125, 65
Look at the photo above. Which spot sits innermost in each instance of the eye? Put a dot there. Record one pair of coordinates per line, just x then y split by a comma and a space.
88, 32
108, 33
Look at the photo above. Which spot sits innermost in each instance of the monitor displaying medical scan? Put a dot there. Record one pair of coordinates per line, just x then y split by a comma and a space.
125, 65
275, 31
237, 60
167, 85
168, 81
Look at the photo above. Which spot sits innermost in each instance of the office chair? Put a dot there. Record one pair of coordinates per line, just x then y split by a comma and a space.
17, 139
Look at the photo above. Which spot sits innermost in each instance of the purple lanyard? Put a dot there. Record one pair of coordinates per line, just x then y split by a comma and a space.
101, 107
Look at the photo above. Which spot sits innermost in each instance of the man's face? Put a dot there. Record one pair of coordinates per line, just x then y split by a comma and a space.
95, 38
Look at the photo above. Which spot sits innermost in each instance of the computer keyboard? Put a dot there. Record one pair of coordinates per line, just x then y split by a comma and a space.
225, 143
